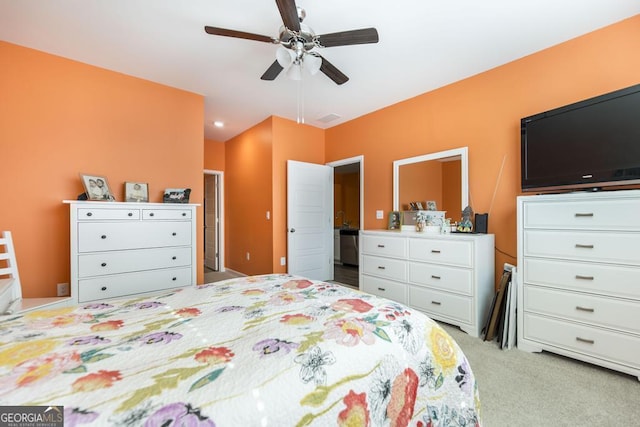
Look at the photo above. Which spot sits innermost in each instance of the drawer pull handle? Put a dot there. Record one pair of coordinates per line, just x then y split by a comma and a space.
579, 215
382, 289
184, 214
174, 257
588, 310
436, 303
586, 341
174, 234
130, 214
435, 251
151, 214
104, 288
104, 264
435, 277
174, 279
89, 214
381, 246
104, 236
381, 267
584, 277
578, 245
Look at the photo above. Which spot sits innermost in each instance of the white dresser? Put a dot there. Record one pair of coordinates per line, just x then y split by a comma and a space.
450, 277
120, 249
579, 277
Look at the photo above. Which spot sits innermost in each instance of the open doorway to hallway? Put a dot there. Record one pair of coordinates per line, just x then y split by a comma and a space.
348, 219
213, 205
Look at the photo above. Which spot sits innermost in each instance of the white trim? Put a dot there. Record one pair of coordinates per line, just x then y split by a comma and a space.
464, 166
221, 228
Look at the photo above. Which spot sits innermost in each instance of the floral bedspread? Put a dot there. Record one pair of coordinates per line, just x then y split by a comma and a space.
272, 350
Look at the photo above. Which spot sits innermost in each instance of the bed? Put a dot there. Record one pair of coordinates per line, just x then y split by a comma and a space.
269, 350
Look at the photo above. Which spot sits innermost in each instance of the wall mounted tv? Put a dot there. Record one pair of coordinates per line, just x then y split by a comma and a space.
586, 145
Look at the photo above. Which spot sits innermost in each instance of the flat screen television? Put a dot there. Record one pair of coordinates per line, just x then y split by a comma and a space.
586, 145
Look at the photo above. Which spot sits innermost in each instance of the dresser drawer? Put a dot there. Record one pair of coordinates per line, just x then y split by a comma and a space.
389, 268
384, 245
166, 214
97, 214
617, 347
93, 237
607, 312
612, 214
384, 288
451, 279
132, 283
618, 248
441, 304
617, 281
449, 252
113, 262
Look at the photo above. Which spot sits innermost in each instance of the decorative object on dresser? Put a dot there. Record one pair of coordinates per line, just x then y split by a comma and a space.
394, 221
448, 276
96, 187
136, 192
578, 276
120, 249
176, 195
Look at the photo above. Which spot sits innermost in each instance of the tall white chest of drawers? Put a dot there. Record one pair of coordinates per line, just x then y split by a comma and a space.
120, 249
450, 277
579, 277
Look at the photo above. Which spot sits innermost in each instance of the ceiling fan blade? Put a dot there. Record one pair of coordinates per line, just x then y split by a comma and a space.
332, 72
344, 38
272, 72
238, 34
289, 13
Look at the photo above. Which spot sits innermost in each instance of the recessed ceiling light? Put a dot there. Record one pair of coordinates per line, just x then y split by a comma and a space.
218, 124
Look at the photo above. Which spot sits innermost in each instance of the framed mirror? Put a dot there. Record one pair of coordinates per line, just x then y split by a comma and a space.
441, 177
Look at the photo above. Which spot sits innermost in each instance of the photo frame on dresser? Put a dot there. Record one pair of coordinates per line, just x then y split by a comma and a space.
176, 195
96, 187
136, 191
395, 221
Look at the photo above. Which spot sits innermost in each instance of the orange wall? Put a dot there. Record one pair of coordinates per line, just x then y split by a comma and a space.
483, 113
346, 197
291, 141
248, 196
59, 118
214, 155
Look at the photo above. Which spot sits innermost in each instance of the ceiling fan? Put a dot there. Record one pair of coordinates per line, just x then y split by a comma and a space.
297, 42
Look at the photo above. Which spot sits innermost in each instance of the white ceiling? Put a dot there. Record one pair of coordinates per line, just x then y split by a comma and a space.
424, 44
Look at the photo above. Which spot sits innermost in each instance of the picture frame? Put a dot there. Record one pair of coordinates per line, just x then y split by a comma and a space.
431, 205
395, 221
96, 187
176, 195
136, 192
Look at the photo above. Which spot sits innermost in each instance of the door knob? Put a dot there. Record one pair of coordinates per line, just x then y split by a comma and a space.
293, 230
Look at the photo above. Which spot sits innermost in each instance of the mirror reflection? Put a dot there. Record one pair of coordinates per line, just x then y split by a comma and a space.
440, 177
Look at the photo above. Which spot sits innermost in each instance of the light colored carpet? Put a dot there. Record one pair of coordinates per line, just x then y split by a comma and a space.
542, 389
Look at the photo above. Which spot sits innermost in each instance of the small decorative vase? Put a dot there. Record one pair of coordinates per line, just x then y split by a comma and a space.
420, 226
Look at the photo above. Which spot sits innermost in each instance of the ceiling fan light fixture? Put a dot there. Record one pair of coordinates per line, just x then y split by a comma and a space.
284, 56
312, 63
295, 72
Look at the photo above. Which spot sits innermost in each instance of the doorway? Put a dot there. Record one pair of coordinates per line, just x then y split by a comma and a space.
213, 221
348, 218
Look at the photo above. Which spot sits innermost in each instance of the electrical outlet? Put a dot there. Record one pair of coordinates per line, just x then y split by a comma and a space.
283, 260
248, 256
63, 289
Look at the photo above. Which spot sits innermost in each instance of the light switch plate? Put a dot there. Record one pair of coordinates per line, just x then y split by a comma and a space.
379, 214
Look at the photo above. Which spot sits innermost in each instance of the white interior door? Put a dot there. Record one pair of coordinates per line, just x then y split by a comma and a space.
212, 210
309, 220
